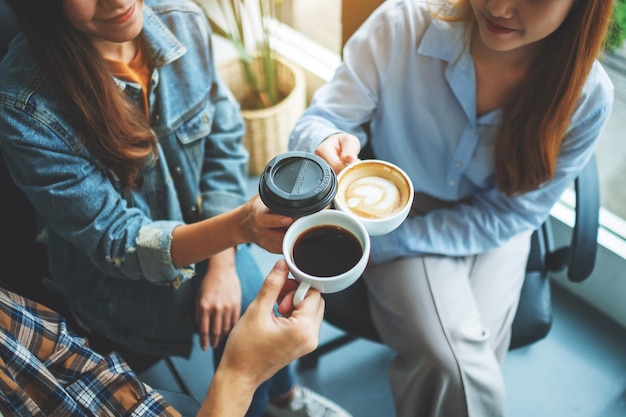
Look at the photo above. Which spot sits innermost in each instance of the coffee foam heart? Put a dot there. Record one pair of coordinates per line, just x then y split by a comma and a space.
373, 197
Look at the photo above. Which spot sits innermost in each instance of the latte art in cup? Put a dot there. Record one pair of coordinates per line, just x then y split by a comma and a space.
378, 193
373, 197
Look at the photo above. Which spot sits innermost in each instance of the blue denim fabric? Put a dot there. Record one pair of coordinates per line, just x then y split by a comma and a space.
108, 249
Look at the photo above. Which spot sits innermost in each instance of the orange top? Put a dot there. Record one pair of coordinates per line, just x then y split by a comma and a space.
136, 71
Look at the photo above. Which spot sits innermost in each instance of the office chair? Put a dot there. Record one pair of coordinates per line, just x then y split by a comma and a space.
349, 310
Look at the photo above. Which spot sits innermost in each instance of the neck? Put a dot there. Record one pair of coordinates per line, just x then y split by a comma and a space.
516, 59
124, 51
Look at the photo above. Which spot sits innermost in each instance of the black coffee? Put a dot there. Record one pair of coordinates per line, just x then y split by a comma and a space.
326, 251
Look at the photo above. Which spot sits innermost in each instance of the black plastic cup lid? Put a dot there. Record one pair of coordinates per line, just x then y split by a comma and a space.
297, 184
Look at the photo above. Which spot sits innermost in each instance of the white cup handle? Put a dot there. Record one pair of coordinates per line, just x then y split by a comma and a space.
300, 293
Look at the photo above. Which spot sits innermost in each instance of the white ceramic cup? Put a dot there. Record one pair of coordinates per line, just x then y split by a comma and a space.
378, 193
340, 280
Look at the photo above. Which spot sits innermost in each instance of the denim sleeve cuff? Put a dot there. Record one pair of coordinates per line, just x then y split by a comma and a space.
154, 254
315, 139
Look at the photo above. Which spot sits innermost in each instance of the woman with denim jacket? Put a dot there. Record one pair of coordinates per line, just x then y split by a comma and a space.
493, 108
117, 127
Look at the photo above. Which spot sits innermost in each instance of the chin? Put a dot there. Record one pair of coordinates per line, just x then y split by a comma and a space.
499, 45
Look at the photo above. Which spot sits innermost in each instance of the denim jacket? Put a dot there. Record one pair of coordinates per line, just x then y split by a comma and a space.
110, 250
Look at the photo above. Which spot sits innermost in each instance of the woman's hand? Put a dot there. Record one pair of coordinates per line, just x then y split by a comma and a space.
339, 150
252, 222
218, 303
263, 227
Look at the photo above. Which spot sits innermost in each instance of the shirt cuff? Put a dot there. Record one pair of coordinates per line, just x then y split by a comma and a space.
154, 252
385, 248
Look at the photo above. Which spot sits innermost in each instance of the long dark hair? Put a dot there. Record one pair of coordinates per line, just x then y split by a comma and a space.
109, 125
534, 123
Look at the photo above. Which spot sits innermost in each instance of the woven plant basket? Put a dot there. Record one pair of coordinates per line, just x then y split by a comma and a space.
267, 130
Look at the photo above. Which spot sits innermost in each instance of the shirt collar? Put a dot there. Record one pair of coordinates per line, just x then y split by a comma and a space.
161, 44
443, 40
447, 41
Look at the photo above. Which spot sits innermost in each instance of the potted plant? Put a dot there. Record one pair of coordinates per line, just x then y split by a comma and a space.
270, 89
617, 31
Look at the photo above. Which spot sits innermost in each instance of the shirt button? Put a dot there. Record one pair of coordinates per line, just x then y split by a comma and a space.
451, 183
458, 164
178, 170
193, 209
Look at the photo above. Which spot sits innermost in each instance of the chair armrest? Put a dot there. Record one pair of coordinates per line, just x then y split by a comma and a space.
584, 244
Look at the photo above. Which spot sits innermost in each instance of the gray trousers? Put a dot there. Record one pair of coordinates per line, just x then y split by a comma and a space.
448, 319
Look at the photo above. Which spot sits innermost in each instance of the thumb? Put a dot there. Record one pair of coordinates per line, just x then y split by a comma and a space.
350, 148
273, 284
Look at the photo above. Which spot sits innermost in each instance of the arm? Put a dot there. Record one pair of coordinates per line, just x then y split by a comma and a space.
490, 218
103, 224
348, 102
251, 222
261, 343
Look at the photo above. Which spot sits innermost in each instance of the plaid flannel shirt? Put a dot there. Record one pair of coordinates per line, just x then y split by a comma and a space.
47, 371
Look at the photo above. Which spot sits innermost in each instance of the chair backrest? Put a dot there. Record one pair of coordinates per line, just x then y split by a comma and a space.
25, 265
8, 27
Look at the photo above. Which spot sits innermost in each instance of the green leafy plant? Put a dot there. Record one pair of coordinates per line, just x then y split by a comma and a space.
246, 24
617, 32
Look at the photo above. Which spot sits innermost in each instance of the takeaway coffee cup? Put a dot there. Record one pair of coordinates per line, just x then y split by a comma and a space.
378, 193
327, 250
297, 184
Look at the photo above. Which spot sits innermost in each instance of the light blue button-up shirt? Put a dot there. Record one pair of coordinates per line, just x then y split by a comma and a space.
411, 78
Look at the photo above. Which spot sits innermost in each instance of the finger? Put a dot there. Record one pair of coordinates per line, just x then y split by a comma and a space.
321, 307
308, 306
268, 219
202, 321
331, 155
227, 325
285, 304
232, 317
290, 285
313, 307
216, 329
272, 240
339, 150
276, 221
272, 285
350, 148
